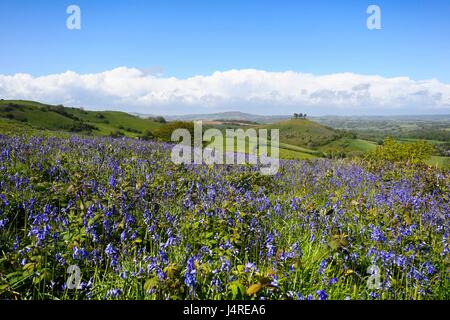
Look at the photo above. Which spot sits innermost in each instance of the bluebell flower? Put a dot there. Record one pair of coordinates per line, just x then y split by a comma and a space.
114, 293
332, 281
112, 253
323, 266
60, 259
377, 235
4, 200
429, 267
112, 182
80, 253
322, 294
190, 276
374, 295
3, 223
270, 245
250, 267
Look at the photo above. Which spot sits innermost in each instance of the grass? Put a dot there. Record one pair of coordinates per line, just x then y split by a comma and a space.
349, 145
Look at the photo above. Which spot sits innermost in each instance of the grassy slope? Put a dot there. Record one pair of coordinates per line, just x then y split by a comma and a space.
109, 121
304, 133
350, 145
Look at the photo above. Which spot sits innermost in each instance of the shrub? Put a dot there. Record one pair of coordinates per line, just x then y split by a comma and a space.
393, 151
147, 135
164, 133
160, 119
116, 134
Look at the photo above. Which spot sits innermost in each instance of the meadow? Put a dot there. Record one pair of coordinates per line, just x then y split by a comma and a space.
140, 227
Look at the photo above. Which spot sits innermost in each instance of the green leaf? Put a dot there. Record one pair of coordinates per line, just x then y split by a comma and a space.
254, 289
151, 283
237, 289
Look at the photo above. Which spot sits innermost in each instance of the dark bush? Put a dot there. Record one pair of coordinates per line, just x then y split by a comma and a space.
116, 134
147, 135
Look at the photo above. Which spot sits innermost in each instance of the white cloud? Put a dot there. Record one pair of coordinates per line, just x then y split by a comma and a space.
248, 90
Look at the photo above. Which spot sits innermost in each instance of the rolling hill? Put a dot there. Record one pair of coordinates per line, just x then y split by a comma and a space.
304, 133
299, 138
41, 116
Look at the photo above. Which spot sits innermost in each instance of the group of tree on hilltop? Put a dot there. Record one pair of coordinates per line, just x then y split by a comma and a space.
299, 115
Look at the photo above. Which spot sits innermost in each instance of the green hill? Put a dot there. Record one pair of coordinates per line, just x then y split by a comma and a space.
304, 133
35, 115
348, 146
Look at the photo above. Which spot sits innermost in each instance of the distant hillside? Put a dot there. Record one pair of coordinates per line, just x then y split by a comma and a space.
428, 127
232, 115
50, 117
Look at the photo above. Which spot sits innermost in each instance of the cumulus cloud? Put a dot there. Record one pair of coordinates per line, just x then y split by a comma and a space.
248, 90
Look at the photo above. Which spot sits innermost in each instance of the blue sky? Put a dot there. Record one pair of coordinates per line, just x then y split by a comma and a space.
188, 38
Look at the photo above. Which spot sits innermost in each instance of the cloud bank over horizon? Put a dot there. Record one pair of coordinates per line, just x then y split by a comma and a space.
245, 90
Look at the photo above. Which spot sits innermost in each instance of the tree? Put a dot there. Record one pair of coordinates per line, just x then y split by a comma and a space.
160, 119
295, 115
300, 115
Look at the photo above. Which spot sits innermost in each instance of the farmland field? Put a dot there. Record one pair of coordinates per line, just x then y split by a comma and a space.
141, 227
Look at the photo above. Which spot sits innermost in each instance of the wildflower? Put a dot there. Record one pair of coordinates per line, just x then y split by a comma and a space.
3, 223
377, 235
112, 253
110, 250
190, 278
374, 295
322, 295
323, 266
250, 267
429, 267
114, 293
112, 182
3, 198
80, 254
270, 245
60, 259
332, 281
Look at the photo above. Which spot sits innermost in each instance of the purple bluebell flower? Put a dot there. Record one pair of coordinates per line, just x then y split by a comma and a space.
190, 276
322, 294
